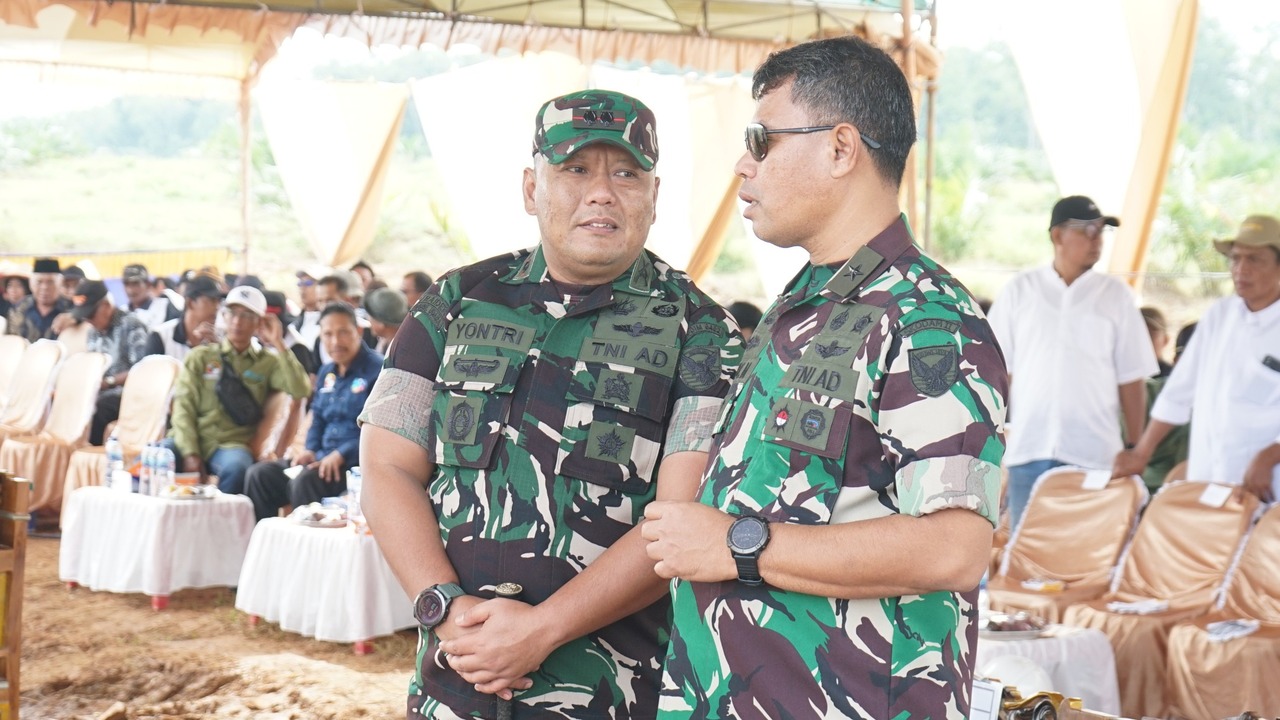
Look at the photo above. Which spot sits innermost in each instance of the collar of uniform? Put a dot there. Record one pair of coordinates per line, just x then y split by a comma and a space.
144, 305
869, 262
250, 352
637, 279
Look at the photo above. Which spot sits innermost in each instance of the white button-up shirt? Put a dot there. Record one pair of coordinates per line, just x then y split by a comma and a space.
1225, 374
1069, 348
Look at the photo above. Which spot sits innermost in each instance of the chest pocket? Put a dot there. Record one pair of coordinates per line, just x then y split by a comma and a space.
614, 425
815, 408
481, 363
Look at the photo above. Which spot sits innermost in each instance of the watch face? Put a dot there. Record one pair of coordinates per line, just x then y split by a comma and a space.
748, 534
430, 608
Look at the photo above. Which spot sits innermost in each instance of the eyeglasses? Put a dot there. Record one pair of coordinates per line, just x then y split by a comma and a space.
306, 282
757, 137
1090, 228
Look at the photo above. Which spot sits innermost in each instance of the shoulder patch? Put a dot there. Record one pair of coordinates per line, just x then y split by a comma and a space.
934, 369
700, 366
434, 308
946, 326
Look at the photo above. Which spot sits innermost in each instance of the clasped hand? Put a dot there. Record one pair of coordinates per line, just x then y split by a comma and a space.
494, 644
687, 540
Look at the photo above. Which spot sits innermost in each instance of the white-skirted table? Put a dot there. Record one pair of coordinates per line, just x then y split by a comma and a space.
1079, 661
331, 584
126, 543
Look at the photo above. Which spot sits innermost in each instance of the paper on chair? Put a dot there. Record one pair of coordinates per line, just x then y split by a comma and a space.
1215, 495
1140, 607
1231, 629
1043, 585
1096, 480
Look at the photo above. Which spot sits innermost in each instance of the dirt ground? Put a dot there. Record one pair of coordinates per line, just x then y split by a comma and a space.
84, 651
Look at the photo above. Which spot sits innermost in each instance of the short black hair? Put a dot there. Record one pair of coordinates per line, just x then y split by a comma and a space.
421, 281
747, 315
847, 79
362, 264
339, 308
1184, 337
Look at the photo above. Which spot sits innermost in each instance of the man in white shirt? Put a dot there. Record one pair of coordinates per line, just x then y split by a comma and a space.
1078, 356
1230, 374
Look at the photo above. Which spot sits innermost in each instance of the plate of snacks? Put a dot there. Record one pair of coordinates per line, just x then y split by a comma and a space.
1018, 626
317, 515
189, 492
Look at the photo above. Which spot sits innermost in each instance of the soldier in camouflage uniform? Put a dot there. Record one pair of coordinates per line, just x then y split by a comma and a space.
855, 467
543, 399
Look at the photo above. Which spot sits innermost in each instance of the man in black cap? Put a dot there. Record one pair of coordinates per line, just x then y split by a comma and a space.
1078, 348
196, 327
121, 336
71, 279
34, 318
152, 311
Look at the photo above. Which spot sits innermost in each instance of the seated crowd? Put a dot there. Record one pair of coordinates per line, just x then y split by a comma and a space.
324, 351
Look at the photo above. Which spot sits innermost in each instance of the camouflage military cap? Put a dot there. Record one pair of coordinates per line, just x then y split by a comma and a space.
571, 122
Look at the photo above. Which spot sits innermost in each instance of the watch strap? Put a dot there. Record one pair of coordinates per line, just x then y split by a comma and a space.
748, 568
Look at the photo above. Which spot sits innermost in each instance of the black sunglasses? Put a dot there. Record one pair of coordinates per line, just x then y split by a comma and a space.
757, 137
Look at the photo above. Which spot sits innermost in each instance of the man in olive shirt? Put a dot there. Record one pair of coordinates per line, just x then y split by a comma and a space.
202, 432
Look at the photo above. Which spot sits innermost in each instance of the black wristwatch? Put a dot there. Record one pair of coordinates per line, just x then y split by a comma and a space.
748, 535
432, 604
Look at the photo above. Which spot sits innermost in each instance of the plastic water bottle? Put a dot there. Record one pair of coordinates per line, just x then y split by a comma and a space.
166, 465
115, 459
146, 470
354, 482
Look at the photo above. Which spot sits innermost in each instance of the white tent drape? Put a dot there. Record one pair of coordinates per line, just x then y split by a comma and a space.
481, 145
332, 143
1105, 89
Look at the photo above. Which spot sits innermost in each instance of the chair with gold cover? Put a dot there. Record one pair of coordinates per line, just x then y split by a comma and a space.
1177, 472
11, 349
42, 457
1068, 534
1214, 678
75, 338
1171, 572
281, 414
144, 408
30, 389
14, 496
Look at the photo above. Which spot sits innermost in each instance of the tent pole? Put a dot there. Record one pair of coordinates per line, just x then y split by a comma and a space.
246, 165
712, 242
931, 92
909, 69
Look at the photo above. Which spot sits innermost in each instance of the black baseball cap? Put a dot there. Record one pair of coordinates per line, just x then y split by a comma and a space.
135, 273
203, 286
1079, 207
73, 273
87, 296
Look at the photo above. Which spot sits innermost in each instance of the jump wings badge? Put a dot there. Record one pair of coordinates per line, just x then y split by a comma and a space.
934, 369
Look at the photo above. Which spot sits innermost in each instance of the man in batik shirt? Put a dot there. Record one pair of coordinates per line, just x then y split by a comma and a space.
543, 399
854, 474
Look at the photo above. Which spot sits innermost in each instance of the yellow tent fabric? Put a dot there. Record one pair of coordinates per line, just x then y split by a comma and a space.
110, 265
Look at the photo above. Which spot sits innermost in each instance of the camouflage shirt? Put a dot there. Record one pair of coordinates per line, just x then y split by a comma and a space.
547, 417
871, 388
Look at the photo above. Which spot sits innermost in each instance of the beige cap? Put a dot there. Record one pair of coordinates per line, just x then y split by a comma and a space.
1256, 231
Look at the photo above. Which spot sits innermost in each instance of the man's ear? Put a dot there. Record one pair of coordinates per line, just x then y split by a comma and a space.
529, 187
846, 150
